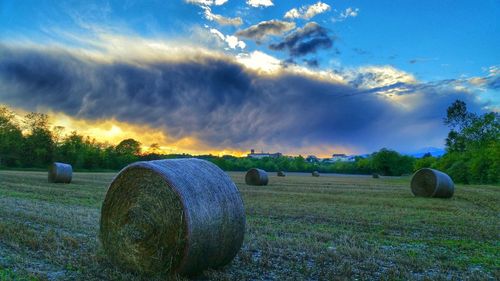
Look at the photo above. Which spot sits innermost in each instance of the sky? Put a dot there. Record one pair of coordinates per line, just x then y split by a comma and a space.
225, 76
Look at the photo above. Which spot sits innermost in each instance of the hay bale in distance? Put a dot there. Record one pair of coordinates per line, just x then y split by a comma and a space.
375, 176
281, 174
60, 173
172, 216
256, 176
315, 174
432, 183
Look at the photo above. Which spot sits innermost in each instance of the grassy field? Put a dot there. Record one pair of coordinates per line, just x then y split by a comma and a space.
298, 228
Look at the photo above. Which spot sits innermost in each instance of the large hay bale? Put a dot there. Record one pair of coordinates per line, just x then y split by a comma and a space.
60, 173
281, 174
172, 216
432, 183
315, 174
256, 176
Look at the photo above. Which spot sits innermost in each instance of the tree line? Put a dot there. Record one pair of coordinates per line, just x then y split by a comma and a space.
31, 143
472, 150
472, 146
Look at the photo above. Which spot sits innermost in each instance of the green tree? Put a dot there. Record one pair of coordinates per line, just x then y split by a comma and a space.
299, 163
390, 163
127, 151
473, 146
457, 119
38, 145
129, 146
11, 138
424, 162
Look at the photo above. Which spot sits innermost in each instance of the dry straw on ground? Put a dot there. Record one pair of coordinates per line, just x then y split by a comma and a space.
60, 173
256, 176
281, 174
172, 216
432, 183
315, 174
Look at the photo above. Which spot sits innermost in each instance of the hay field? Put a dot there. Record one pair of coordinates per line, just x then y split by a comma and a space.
298, 228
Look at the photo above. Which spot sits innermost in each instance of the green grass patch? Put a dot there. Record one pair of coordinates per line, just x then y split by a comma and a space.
298, 228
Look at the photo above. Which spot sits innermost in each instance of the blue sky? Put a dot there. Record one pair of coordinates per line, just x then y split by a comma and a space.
431, 39
403, 51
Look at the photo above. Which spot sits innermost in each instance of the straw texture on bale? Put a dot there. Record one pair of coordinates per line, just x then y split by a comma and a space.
315, 174
172, 216
281, 174
60, 173
432, 183
256, 176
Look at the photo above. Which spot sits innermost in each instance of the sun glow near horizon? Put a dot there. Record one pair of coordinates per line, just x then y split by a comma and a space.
154, 140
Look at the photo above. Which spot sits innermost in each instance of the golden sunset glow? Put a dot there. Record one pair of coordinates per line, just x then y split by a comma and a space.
112, 131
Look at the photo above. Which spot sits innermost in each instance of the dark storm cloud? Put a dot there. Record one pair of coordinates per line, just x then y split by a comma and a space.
220, 102
306, 40
261, 30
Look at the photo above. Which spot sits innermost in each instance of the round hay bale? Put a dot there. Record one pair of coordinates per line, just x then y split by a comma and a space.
281, 174
432, 183
375, 176
256, 176
60, 173
172, 216
315, 174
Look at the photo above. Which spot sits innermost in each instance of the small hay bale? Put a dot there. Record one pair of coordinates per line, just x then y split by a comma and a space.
315, 174
256, 176
172, 216
432, 183
375, 176
281, 174
60, 173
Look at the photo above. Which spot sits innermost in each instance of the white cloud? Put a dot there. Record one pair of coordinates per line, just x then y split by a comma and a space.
494, 70
369, 77
259, 61
200, 2
221, 19
293, 14
265, 28
347, 13
307, 12
207, 2
385, 80
232, 41
218, 33
350, 12
492, 78
269, 65
260, 3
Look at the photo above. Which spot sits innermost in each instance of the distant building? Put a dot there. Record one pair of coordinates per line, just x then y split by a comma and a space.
263, 155
312, 159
